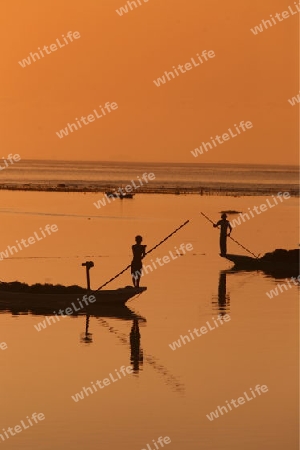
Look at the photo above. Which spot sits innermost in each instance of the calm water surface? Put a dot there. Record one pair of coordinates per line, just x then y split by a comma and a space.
170, 392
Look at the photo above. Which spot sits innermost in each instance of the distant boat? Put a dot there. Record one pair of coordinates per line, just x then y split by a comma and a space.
280, 263
116, 194
62, 296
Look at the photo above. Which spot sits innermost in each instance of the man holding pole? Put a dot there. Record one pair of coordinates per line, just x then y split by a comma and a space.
139, 252
225, 225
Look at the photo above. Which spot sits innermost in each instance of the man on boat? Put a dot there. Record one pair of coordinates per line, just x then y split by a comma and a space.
139, 252
225, 225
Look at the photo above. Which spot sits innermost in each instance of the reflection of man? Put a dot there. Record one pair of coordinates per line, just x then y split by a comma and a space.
136, 357
225, 225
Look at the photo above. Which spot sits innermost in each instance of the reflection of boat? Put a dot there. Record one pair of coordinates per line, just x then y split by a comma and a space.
49, 296
121, 312
115, 194
278, 263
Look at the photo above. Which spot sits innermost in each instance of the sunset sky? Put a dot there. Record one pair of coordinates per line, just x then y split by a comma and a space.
117, 58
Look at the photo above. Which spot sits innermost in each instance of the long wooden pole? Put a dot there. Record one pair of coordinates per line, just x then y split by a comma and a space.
151, 250
247, 250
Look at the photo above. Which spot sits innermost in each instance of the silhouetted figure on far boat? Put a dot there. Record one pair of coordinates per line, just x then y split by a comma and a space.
138, 251
225, 225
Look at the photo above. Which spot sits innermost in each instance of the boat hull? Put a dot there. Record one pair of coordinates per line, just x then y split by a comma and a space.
105, 298
112, 194
245, 262
278, 269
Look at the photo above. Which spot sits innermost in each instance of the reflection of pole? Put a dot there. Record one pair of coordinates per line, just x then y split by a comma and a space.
88, 265
87, 322
86, 337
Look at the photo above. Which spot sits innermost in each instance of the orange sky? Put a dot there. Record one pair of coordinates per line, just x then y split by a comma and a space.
117, 58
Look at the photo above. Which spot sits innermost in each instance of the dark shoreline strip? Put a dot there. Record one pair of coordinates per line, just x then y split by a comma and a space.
200, 190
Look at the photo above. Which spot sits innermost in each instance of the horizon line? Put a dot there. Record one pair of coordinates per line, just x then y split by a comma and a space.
160, 162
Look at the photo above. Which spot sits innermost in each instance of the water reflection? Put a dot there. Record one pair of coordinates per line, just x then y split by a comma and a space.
40, 308
221, 302
136, 352
133, 340
86, 337
138, 356
122, 313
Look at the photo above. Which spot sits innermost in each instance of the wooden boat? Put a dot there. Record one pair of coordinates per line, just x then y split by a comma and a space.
62, 296
281, 263
115, 194
244, 262
126, 196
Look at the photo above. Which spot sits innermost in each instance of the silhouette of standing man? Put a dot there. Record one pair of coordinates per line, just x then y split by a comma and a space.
139, 251
225, 225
